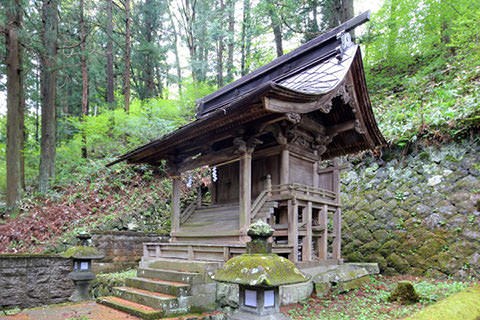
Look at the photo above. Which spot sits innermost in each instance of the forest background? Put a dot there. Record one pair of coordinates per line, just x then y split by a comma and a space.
85, 81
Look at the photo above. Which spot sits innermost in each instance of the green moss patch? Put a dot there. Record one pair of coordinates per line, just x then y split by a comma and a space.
463, 305
404, 293
259, 270
84, 252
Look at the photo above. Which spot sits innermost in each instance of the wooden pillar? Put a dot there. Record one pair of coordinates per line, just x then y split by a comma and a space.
245, 196
213, 192
175, 205
336, 180
199, 196
293, 228
285, 166
307, 240
315, 172
337, 231
323, 240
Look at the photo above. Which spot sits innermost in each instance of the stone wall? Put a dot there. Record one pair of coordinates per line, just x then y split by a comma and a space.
415, 213
122, 249
33, 280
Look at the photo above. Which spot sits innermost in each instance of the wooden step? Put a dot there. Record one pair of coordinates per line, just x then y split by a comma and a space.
234, 207
132, 308
169, 275
162, 286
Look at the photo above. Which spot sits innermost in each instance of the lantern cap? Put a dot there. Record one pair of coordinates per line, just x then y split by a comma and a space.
260, 229
264, 270
83, 252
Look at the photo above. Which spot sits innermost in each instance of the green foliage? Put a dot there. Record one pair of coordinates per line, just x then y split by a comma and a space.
105, 282
370, 302
422, 68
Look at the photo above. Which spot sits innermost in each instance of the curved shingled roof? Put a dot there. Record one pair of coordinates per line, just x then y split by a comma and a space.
323, 80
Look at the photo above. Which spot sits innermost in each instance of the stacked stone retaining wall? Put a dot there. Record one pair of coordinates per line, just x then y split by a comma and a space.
29, 280
122, 249
417, 212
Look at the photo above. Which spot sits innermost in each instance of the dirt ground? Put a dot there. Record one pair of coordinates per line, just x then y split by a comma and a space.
77, 311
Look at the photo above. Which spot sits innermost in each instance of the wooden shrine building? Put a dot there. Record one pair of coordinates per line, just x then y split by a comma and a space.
268, 136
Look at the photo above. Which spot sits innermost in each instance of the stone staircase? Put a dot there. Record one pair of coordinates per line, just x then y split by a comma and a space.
166, 288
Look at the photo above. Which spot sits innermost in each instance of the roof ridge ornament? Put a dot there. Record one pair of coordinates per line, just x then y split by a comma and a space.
347, 42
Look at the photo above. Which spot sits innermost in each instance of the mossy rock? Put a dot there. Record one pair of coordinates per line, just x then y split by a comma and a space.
462, 305
259, 270
82, 252
370, 247
377, 258
381, 235
398, 263
404, 293
431, 248
354, 257
389, 247
363, 235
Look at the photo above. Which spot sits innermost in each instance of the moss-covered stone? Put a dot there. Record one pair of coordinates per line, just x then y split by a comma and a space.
363, 235
404, 293
354, 257
369, 247
431, 248
259, 270
377, 258
462, 305
398, 263
389, 247
381, 235
260, 229
82, 252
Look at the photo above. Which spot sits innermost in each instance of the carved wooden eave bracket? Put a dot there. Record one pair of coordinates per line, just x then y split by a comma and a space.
242, 145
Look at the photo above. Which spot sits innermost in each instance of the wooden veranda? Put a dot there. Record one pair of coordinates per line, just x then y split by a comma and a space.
272, 137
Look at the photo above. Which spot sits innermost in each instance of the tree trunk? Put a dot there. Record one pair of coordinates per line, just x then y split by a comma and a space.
277, 28
126, 76
347, 10
48, 91
231, 38
37, 103
110, 76
14, 106
175, 49
22, 118
83, 62
220, 48
246, 37
149, 68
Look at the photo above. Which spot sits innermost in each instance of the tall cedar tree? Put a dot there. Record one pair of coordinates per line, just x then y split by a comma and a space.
246, 37
220, 45
13, 9
48, 88
231, 39
83, 62
126, 74
109, 53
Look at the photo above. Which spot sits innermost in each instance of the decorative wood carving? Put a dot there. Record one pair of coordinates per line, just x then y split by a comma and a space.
294, 117
242, 146
358, 127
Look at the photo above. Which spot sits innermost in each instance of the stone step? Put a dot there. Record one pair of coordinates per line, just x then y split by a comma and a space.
162, 286
169, 275
132, 308
167, 303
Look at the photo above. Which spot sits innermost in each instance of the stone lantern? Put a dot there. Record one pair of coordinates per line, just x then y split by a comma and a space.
259, 274
82, 275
